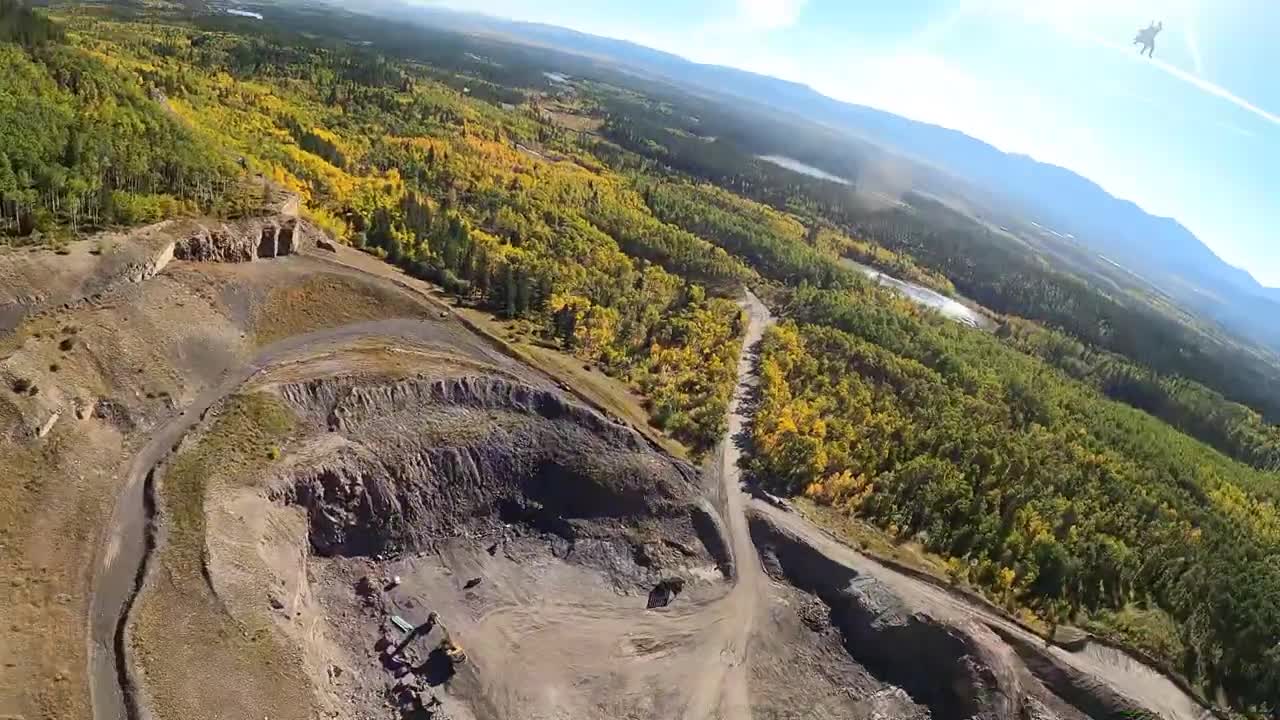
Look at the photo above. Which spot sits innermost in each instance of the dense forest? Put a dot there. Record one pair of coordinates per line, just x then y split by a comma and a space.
778, 244
785, 250
1045, 494
1234, 429
699, 140
149, 121
21, 25
83, 146
1092, 459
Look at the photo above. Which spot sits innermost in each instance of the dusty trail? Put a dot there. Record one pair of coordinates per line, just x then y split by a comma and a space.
725, 684
549, 651
570, 647
125, 545
1125, 675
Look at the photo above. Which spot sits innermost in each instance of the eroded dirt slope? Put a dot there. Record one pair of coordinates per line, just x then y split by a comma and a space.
99, 350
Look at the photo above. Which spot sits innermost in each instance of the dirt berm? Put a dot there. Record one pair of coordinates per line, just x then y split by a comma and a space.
958, 667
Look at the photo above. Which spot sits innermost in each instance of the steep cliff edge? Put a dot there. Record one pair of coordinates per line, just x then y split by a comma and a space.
426, 460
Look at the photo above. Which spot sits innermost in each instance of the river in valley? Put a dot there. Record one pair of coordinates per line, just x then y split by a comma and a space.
932, 299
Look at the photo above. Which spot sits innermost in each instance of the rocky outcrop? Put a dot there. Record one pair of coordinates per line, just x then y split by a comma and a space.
423, 460
41, 281
245, 240
1070, 638
957, 668
150, 267
349, 405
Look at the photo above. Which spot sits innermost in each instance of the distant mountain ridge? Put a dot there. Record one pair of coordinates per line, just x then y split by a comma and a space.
1159, 248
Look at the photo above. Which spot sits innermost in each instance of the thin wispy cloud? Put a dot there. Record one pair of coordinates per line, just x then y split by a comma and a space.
1243, 132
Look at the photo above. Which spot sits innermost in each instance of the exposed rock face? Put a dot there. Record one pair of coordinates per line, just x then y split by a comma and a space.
430, 459
114, 412
1070, 638
959, 670
245, 240
1083, 691
665, 592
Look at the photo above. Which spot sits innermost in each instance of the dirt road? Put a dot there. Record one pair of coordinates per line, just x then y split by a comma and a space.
574, 648
126, 545
722, 691
1102, 665
571, 648
1122, 673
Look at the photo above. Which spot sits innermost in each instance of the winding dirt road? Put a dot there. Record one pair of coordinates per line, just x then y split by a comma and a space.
703, 664
1107, 666
126, 545
1122, 673
571, 648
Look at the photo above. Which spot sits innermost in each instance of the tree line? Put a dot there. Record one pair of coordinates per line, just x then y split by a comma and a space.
997, 450
451, 188
82, 145
22, 25
1043, 492
1132, 352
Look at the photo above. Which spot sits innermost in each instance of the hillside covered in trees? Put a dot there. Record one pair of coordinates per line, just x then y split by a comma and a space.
1091, 460
122, 123
82, 145
1045, 494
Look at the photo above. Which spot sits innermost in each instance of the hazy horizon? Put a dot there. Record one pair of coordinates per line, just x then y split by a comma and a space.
1148, 131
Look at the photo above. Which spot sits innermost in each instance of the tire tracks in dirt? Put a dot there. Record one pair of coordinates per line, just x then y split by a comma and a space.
119, 574
723, 692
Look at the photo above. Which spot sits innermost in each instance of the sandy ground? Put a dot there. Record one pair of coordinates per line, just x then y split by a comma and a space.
125, 544
550, 634
114, 357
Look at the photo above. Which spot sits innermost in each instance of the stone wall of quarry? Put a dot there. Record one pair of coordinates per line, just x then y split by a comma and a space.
427, 459
957, 667
245, 240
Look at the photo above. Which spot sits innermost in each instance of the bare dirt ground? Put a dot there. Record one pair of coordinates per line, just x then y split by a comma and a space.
108, 344
551, 634
296, 479
552, 631
1095, 666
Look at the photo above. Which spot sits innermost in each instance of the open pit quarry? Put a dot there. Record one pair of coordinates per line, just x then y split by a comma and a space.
273, 478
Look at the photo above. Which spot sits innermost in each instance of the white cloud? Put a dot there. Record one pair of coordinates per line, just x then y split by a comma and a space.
770, 14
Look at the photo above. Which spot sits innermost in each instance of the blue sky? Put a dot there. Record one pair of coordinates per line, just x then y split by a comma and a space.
1193, 135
